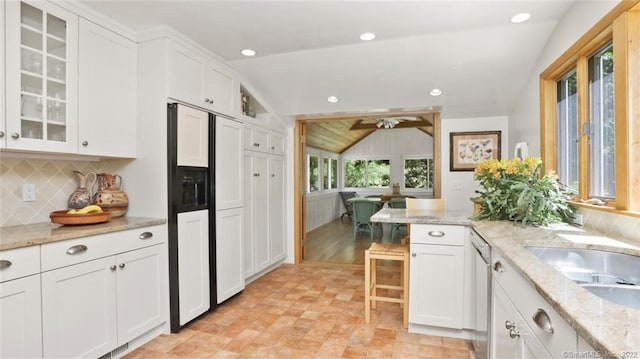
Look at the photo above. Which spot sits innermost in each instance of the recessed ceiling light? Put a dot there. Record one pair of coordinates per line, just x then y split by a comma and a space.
367, 36
520, 18
333, 99
248, 52
435, 92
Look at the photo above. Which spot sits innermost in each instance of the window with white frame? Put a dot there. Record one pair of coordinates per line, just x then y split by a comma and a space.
313, 173
329, 173
367, 173
418, 173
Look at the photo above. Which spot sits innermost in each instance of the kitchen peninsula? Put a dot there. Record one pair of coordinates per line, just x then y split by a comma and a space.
595, 323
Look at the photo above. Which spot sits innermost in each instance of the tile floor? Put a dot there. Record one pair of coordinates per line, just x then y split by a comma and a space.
303, 311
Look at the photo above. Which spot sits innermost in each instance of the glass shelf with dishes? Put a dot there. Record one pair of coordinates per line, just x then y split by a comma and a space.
43, 74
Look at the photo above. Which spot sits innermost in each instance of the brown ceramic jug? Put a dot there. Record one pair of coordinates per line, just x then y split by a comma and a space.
110, 195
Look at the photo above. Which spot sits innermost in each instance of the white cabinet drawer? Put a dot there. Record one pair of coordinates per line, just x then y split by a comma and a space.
73, 251
446, 235
529, 302
256, 138
19, 262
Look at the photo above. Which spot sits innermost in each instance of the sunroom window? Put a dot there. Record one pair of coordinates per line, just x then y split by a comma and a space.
367, 173
418, 173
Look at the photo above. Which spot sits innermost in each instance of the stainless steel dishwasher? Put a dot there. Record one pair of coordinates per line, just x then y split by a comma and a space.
482, 281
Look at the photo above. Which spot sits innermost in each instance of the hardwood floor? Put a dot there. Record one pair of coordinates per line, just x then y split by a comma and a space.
334, 243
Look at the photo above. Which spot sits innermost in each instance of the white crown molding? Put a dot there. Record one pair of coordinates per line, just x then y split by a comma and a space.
97, 17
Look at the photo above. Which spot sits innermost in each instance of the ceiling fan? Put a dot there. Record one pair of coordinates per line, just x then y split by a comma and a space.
391, 122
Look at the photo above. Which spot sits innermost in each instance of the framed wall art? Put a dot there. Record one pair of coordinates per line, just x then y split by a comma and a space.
467, 149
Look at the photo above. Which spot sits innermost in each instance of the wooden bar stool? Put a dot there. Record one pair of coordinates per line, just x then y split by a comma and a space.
392, 252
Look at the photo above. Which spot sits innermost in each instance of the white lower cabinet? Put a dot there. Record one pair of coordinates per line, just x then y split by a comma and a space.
538, 331
436, 288
193, 264
79, 310
264, 235
101, 292
512, 337
21, 324
277, 245
229, 255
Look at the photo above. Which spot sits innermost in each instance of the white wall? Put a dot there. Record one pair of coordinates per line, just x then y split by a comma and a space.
524, 123
460, 199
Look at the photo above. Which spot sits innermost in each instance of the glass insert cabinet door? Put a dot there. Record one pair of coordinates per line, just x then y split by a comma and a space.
42, 54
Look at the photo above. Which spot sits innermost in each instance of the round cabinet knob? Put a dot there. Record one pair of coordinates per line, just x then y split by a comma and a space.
208, 100
413, 254
85, 143
121, 265
1, 134
497, 266
113, 267
514, 333
509, 324
15, 135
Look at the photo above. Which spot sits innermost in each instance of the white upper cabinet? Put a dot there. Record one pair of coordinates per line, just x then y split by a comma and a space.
108, 100
41, 77
193, 137
200, 80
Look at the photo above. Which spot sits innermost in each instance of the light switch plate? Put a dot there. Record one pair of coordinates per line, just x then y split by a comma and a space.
28, 192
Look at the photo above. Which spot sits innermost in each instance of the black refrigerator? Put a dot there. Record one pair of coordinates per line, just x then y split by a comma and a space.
191, 213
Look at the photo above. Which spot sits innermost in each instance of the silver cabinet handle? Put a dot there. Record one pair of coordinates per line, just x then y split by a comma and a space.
145, 235
113, 267
207, 100
256, 175
413, 254
509, 324
77, 249
256, 144
15, 135
85, 143
273, 148
4, 264
514, 333
542, 320
497, 266
1, 134
273, 175
121, 265
436, 233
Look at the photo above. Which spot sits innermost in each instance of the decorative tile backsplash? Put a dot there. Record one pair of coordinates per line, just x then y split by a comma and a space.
611, 224
54, 181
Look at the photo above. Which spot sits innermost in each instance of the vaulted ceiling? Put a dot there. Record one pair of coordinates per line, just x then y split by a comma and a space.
338, 132
308, 50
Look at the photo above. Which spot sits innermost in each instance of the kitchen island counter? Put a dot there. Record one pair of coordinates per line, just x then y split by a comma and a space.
41, 233
609, 328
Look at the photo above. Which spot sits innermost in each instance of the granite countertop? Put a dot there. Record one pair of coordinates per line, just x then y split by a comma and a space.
42, 233
608, 327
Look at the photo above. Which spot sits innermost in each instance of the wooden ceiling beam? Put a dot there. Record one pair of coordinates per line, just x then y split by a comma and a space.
371, 115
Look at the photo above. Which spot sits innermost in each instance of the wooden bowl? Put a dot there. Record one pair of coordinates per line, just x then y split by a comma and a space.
61, 217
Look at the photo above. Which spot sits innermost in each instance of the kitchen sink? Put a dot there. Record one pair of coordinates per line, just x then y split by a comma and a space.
612, 276
626, 295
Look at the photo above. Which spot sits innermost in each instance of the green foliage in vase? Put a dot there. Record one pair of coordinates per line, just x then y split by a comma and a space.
517, 190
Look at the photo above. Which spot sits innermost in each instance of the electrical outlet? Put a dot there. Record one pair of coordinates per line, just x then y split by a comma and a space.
456, 185
579, 220
28, 192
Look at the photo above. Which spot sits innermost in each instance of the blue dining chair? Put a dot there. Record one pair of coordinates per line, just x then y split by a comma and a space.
363, 209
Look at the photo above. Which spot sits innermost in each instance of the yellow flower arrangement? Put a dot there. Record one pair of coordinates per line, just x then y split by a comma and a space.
516, 189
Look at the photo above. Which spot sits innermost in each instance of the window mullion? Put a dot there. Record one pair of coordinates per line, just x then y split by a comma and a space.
582, 73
